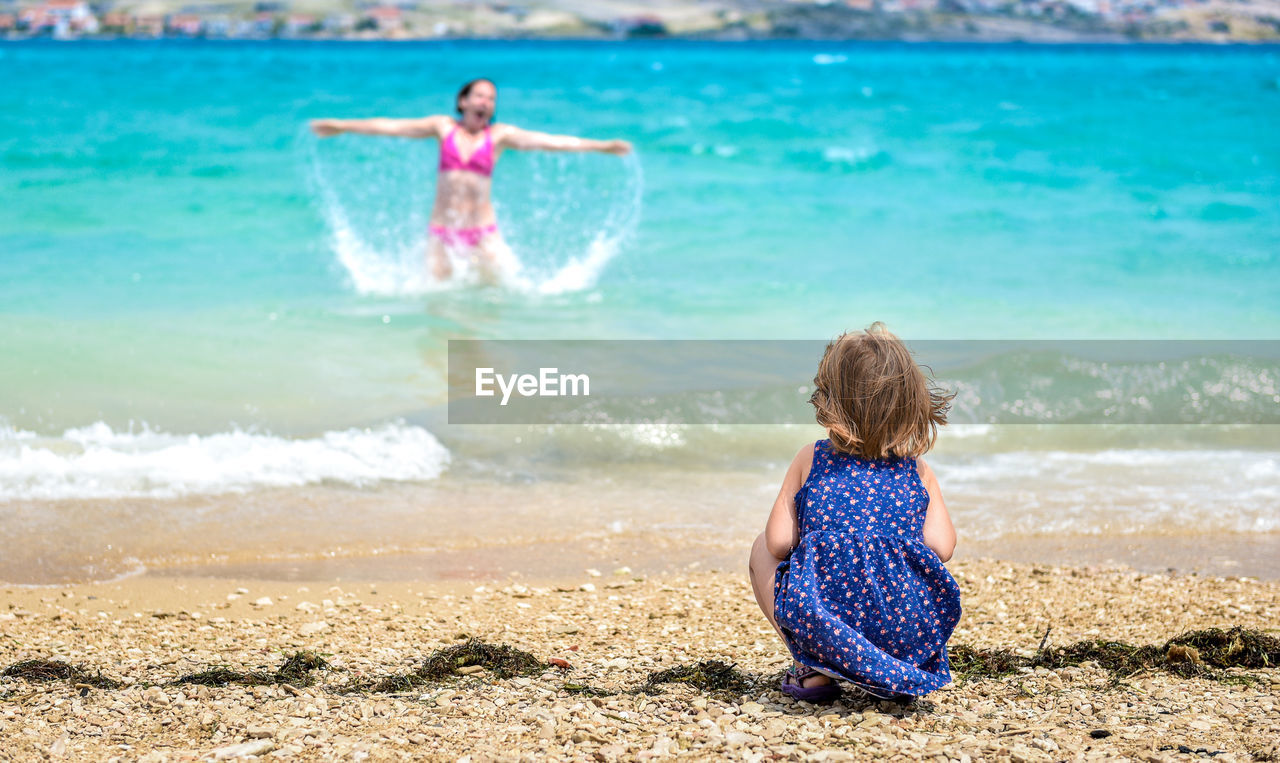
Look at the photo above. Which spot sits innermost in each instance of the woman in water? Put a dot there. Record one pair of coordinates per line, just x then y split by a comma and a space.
463, 223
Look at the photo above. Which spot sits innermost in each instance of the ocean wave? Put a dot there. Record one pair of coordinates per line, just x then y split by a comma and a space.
1113, 491
968, 431
721, 150
1232, 386
860, 157
99, 462
1062, 464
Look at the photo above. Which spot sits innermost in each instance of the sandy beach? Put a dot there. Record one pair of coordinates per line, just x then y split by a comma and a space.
590, 693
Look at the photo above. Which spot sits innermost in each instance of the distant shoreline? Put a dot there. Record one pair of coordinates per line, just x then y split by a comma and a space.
1032, 21
1082, 42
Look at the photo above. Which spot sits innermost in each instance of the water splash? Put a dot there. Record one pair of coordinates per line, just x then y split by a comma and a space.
564, 217
582, 272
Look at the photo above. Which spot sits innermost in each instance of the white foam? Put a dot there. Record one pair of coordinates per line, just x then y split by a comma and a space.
1059, 464
853, 156
827, 59
1113, 491
374, 271
966, 431
98, 462
655, 436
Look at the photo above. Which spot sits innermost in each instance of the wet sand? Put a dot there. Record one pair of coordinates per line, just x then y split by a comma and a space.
1232, 554
613, 628
1251, 555
652, 519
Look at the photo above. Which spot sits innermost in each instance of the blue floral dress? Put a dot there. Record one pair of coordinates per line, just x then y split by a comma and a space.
862, 597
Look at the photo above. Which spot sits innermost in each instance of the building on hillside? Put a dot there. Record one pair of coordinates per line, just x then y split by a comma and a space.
185, 25
264, 23
150, 25
296, 24
59, 17
117, 22
384, 18
339, 23
219, 26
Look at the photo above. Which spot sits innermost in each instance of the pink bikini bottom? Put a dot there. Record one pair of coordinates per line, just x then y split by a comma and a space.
458, 237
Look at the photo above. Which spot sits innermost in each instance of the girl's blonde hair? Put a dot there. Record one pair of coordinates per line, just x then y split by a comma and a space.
874, 400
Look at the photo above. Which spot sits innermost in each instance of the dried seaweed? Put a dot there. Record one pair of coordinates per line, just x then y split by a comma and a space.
1235, 648
500, 660
296, 670
224, 676
968, 662
1194, 654
711, 676
1208, 653
587, 690
55, 670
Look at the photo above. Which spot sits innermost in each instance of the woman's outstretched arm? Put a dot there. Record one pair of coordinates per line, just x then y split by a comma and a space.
425, 127
528, 140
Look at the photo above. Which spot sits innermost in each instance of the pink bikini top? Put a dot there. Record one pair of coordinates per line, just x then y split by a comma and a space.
480, 161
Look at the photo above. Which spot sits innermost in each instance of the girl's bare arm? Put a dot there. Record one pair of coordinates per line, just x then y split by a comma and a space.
426, 127
939, 533
782, 532
528, 140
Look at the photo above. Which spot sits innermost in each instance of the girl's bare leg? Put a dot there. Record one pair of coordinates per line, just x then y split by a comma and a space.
438, 258
487, 270
763, 566
497, 263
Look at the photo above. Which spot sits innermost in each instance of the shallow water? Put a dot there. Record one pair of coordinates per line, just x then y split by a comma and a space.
205, 309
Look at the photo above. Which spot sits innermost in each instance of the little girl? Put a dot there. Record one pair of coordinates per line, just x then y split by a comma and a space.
849, 568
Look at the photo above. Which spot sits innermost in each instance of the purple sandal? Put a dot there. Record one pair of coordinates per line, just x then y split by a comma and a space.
793, 686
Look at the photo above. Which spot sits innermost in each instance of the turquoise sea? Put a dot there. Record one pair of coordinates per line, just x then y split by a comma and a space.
211, 320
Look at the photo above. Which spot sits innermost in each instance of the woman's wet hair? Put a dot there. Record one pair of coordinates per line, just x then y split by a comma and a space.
874, 400
466, 91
